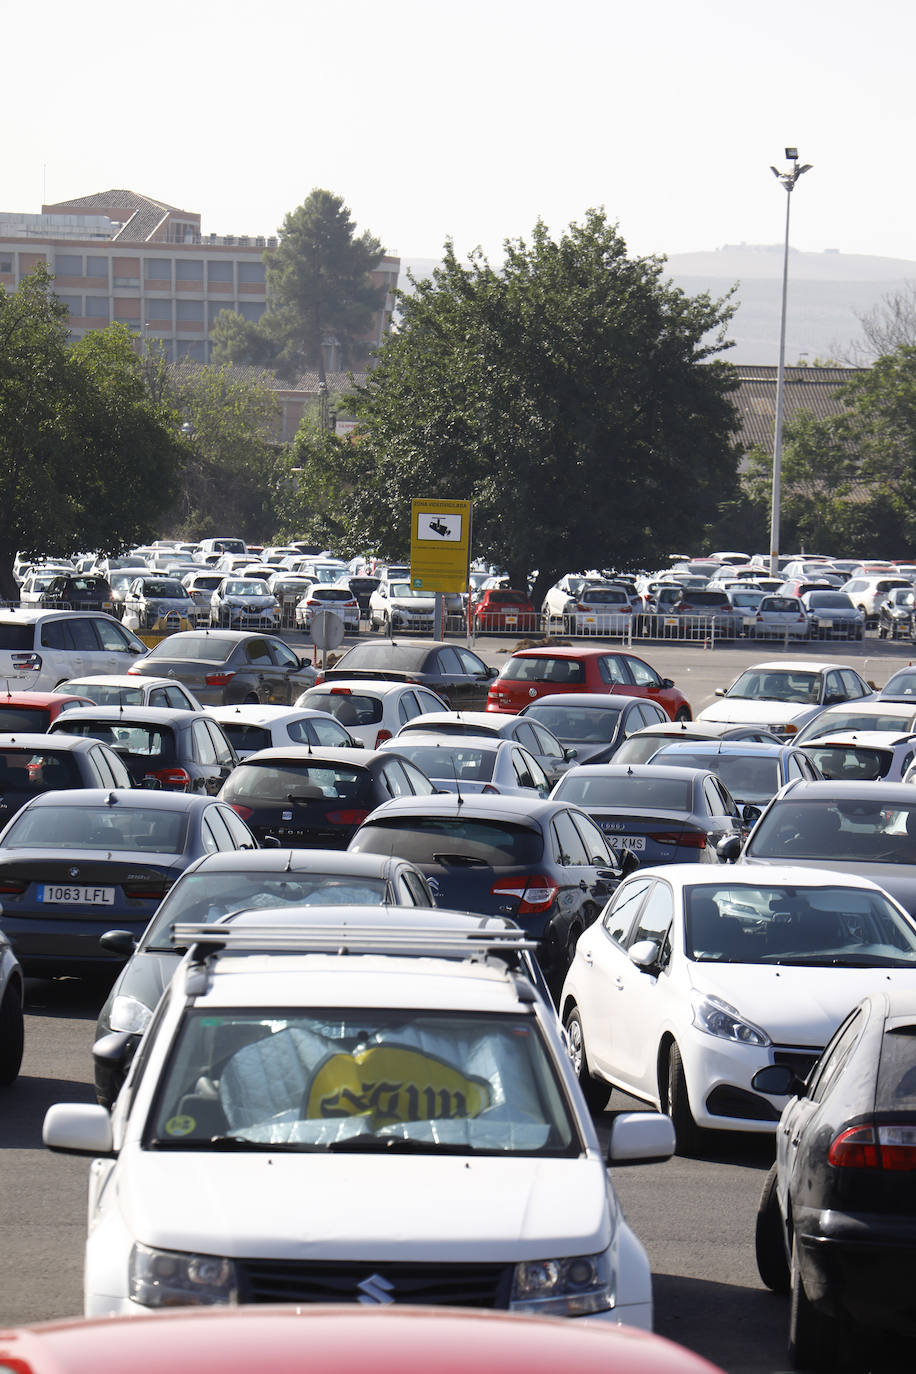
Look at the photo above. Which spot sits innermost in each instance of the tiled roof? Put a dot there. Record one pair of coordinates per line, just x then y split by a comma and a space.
101, 202
812, 389
141, 226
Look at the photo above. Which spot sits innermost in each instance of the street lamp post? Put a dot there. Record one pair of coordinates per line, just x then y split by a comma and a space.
788, 180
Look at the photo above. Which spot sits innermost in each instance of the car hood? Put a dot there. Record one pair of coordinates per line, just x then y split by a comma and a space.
351, 1206
796, 1006
741, 711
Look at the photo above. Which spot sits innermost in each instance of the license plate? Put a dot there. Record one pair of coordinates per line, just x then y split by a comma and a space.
625, 841
72, 895
670, 619
590, 620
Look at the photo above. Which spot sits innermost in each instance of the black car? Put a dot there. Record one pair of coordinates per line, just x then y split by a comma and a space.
836, 1225
183, 751
458, 676
31, 765
78, 592
315, 798
544, 864
209, 889
591, 724
74, 864
868, 828
225, 667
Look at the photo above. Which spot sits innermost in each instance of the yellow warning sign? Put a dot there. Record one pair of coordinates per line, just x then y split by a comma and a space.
440, 542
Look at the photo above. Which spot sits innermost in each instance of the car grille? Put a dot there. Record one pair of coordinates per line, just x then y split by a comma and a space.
451, 1285
800, 1062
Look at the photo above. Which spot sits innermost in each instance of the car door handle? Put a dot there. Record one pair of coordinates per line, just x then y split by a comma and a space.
620, 983
587, 957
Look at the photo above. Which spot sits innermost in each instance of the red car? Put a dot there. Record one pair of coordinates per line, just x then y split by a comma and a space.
33, 712
345, 1340
532, 673
500, 608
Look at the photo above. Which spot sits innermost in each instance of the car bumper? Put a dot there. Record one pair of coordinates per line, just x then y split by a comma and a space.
719, 1075
70, 943
860, 1266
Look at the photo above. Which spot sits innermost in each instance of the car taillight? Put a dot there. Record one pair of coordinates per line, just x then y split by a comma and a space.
381, 736
536, 893
869, 1147
488, 787
10, 888
687, 839
176, 779
218, 679
148, 889
312, 602
243, 811
346, 817
30, 662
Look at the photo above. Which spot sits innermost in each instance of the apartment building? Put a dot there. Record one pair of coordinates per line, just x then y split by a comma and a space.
116, 255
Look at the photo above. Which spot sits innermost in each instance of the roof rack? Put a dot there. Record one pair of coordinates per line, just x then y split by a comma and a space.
334, 939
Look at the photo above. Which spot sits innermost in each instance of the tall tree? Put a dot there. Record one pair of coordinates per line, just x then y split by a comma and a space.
87, 459
572, 394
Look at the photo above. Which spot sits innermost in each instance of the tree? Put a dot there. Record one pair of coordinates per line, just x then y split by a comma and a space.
888, 326
571, 395
319, 290
87, 459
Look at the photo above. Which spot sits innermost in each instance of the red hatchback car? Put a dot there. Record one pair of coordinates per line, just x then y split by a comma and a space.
532, 673
501, 608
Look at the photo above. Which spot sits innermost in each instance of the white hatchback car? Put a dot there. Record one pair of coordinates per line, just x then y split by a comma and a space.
693, 978
121, 689
328, 596
41, 649
251, 728
380, 1106
372, 711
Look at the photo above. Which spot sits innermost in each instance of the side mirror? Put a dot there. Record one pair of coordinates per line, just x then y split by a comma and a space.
570, 753
778, 1080
667, 682
644, 954
751, 814
120, 942
640, 1138
729, 848
720, 691
628, 862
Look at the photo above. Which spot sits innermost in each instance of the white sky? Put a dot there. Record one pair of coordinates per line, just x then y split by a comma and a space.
472, 121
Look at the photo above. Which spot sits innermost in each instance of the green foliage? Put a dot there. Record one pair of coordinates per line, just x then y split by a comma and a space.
563, 394
87, 458
237, 340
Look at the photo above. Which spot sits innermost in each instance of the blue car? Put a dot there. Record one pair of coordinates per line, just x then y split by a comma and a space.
76, 864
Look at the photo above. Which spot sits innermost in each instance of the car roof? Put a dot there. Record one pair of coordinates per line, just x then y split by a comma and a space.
794, 665
868, 739
568, 651
594, 700
872, 706
743, 748
756, 875
277, 860
138, 798
139, 715
44, 742
42, 698
636, 770
485, 743
511, 809
366, 686
262, 715
118, 680
841, 790
315, 754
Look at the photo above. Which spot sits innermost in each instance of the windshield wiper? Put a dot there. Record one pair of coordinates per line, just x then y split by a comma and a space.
394, 1144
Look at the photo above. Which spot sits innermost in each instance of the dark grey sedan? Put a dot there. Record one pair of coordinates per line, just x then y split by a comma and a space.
33, 764
457, 675
209, 889
74, 864
225, 667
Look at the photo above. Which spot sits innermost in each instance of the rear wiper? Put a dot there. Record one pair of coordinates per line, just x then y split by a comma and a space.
460, 860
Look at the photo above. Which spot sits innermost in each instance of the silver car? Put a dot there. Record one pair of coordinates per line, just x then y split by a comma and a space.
243, 603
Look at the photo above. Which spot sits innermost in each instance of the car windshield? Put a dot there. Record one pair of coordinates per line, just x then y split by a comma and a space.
401, 590
626, 789
579, 724
869, 830
854, 762
207, 896
544, 668
830, 926
773, 684
99, 827
251, 588
451, 840
270, 783
368, 1080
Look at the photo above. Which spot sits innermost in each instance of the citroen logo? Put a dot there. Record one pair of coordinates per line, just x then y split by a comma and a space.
375, 1289
74, 872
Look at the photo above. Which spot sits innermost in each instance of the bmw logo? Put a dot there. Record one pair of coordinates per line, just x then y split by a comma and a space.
74, 872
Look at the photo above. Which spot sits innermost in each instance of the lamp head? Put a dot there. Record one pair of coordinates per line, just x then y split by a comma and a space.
792, 154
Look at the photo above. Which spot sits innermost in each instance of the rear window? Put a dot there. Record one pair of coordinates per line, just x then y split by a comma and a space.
132, 741
33, 719
829, 724
853, 762
332, 594
39, 770
93, 827
834, 600
349, 708
603, 596
270, 783
666, 794
451, 841
505, 598
544, 668
106, 695
864, 829
582, 724
165, 588
400, 657
463, 763
207, 648
705, 598
17, 636
896, 1088
246, 739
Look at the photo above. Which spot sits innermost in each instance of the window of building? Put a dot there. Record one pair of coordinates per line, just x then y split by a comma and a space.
159, 269
251, 310
127, 281
68, 265
189, 312
189, 269
213, 309
97, 267
220, 270
97, 307
73, 303
6, 264
251, 272
195, 351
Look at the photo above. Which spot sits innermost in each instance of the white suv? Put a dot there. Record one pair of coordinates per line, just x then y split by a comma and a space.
41, 649
353, 1105
867, 592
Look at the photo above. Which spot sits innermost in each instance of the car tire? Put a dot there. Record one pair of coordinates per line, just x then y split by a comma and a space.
772, 1264
688, 1134
11, 1032
815, 1340
595, 1092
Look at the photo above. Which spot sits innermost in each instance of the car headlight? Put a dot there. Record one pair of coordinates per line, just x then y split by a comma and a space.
715, 1017
573, 1287
127, 1014
167, 1278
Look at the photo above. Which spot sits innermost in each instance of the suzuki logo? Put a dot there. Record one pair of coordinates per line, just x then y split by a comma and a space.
375, 1289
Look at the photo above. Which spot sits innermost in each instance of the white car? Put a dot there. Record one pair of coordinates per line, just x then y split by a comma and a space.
251, 728
121, 689
372, 711
328, 596
863, 755
40, 649
473, 764
200, 586
244, 603
593, 608
784, 694
868, 590
693, 978
380, 1107
779, 617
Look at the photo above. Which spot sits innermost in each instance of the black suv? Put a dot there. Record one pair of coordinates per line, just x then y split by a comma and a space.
78, 593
